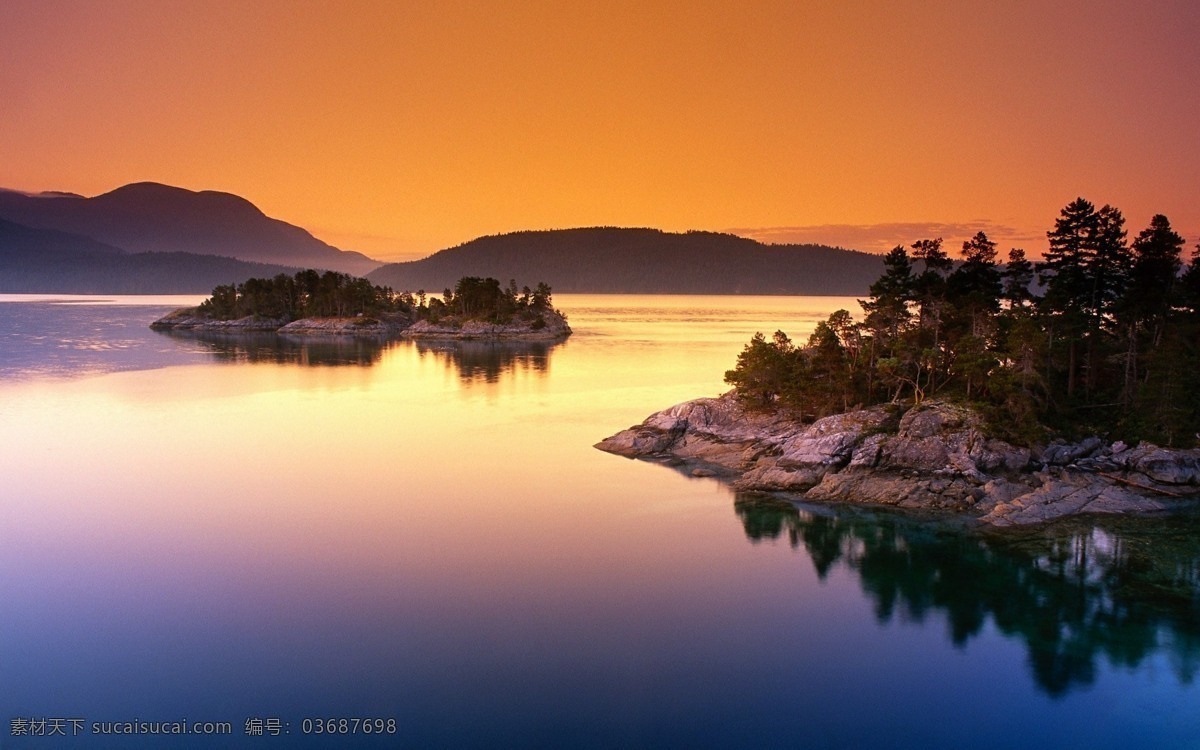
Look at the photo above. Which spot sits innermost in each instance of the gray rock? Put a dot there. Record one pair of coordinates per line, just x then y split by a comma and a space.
928, 453
553, 327
1060, 453
997, 455
934, 418
1173, 467
939, 458
190, 319
868, 452
361, 325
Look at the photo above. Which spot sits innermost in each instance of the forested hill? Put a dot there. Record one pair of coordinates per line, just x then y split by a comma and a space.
642, 261
45, 260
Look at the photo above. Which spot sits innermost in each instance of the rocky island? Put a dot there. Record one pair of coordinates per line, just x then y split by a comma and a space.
333, 304
969, 388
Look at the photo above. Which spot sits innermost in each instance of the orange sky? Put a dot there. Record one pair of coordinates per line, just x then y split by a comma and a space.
399, 128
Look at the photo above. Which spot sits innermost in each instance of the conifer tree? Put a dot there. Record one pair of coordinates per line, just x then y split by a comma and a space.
974, 288
1062, 275
1018, 277
887, 312
1152, 276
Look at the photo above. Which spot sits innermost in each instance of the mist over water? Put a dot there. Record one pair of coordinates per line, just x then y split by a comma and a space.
222, 528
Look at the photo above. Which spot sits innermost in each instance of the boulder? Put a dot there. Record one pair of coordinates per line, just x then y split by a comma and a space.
1060, 453
1174, 467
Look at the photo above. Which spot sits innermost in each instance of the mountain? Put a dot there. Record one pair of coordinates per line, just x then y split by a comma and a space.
47, 260
641, 261
147, 217
29, 244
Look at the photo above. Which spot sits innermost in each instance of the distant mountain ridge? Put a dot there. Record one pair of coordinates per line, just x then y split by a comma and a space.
47, 260
641, 261
148, 217
148, 237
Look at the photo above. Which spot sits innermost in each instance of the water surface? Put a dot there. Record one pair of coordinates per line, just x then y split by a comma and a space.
226, 529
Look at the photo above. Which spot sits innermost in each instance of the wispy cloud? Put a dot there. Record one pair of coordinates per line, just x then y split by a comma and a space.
879, 238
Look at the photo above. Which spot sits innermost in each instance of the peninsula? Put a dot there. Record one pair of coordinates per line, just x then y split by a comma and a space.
935, 456
336, 304
968, 388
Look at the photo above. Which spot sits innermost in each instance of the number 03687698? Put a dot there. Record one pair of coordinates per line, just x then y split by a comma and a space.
348, 726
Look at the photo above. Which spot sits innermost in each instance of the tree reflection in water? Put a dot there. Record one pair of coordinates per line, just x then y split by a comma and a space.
487, 361
472, 361
1119, 588
282, 349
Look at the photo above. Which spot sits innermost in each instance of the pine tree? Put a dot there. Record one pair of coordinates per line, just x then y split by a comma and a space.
1018, 277
765, 370
1107, 264
1062, 274
1084, 273
974, 289
887, 312
1152, 277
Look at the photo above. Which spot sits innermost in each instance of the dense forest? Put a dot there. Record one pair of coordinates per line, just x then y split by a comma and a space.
1101, 336
643, 261
312, 294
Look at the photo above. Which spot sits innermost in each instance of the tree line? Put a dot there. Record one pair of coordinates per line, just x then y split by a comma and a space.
313, 294
1101, 336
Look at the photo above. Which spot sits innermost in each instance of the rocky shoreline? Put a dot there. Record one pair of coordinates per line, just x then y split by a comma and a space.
549, 326
935, 456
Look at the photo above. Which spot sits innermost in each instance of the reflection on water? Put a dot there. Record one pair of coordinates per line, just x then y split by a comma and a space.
472, 361
1122, 589
284, 350
486, 361
428, 534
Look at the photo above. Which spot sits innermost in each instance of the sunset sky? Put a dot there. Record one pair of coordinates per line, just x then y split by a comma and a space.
399, 128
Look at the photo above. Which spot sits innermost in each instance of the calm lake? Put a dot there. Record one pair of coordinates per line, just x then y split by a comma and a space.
273, 533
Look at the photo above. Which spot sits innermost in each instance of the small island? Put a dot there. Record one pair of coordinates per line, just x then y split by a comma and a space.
969, 388
311, 303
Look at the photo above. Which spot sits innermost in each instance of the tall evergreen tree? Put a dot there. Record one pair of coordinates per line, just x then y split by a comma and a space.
1146, 304
1084, 274
1157, 260
829, 388
1107, 268
887, 310
1065, 281
928, 347
1018, 278
1106, 265
974, 288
